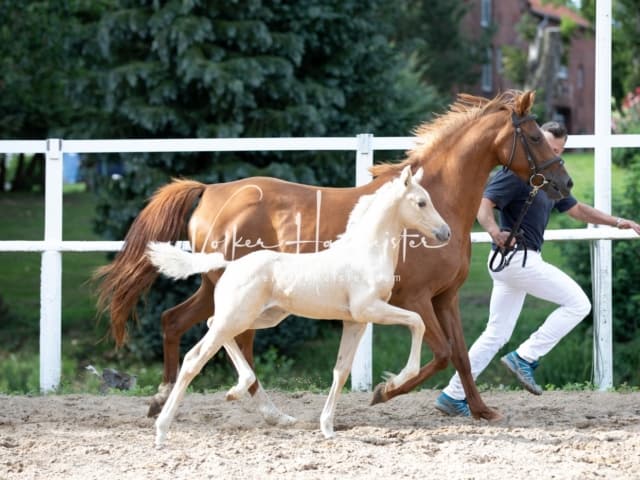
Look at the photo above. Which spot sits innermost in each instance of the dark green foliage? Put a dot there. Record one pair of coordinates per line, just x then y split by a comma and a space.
433, 37
233, 69
213, 68
626, 47
32, 71
5, 313
514, 61
229, 69
32, 68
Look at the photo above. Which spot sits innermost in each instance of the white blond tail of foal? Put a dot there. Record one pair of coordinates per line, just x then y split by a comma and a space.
350, 281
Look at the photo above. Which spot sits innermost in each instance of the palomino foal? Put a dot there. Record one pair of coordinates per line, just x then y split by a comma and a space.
350, 281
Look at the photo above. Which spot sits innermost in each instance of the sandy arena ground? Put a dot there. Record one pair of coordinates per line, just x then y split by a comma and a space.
577, 435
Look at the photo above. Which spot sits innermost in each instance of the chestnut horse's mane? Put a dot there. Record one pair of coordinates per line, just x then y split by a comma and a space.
466, 108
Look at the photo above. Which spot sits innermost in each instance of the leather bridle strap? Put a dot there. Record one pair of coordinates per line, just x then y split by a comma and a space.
533, 167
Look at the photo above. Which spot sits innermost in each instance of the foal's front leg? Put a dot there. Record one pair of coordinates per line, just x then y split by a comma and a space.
351, 334
385, 314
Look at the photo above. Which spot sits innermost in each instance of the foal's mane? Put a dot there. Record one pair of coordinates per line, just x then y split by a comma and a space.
467, 108
362, 207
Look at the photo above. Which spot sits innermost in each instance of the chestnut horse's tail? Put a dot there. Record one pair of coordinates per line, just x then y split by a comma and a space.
123, 281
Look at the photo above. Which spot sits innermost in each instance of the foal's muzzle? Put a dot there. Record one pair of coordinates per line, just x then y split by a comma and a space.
443, 233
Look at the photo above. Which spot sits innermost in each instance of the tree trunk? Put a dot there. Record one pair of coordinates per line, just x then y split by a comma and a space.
18, 183
3, 171
29, 174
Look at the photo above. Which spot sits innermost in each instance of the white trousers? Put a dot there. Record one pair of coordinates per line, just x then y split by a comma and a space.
510, 287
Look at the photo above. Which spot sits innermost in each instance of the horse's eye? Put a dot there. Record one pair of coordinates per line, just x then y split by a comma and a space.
536, 138
422, 203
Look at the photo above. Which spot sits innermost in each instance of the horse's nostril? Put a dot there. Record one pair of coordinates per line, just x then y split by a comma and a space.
570, 183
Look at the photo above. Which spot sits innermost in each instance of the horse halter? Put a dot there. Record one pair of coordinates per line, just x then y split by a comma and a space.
537, 180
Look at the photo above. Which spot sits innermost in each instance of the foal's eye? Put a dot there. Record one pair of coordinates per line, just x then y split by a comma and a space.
422, 203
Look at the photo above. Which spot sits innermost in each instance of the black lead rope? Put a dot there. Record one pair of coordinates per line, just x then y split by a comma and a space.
507, 252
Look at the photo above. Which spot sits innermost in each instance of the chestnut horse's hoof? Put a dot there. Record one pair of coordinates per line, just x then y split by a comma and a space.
489, 414
379, 394
155, 407
158, 400
492, 415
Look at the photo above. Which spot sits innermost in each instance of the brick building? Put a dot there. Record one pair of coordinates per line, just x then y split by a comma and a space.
564, 82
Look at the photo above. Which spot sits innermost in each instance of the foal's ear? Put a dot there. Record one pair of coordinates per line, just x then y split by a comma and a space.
418, 176
405, 176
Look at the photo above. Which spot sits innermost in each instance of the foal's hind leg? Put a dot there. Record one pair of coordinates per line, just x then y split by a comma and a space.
270, 413
175, 322
193, 362
246, 376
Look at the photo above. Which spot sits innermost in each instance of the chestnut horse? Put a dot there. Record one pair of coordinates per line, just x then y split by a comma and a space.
350, 281
458, 150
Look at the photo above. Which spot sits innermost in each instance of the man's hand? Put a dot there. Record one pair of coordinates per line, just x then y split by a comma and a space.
625, 224
500, 238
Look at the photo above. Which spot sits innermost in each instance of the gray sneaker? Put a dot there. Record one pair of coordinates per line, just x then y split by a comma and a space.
523, 370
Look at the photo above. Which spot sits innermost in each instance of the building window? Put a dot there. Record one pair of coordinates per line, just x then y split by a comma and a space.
499, 65
487, 73
485, 13
563, 72
580, 79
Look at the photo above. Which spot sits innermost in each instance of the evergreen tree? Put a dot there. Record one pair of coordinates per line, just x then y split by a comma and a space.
237, 68
625, 49
432, 36
32, 79
234, 68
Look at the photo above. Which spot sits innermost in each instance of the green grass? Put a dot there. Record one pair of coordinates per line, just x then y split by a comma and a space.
22, 218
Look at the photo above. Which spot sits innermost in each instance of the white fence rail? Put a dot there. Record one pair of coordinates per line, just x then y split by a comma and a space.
364, 145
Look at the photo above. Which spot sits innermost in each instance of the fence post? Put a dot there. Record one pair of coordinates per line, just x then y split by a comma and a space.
601, 259
362, 370
51, 276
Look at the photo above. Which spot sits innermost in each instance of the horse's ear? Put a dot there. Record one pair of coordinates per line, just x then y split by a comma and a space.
418, 176
525, 102
405, 176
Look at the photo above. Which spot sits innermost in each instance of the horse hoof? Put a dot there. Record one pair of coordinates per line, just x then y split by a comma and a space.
489, 414
160, 441
154, 409
232, 396
279, 419
328, 434
493, 415
379, 394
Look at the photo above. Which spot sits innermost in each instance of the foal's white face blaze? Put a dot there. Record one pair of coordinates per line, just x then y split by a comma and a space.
418, 211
